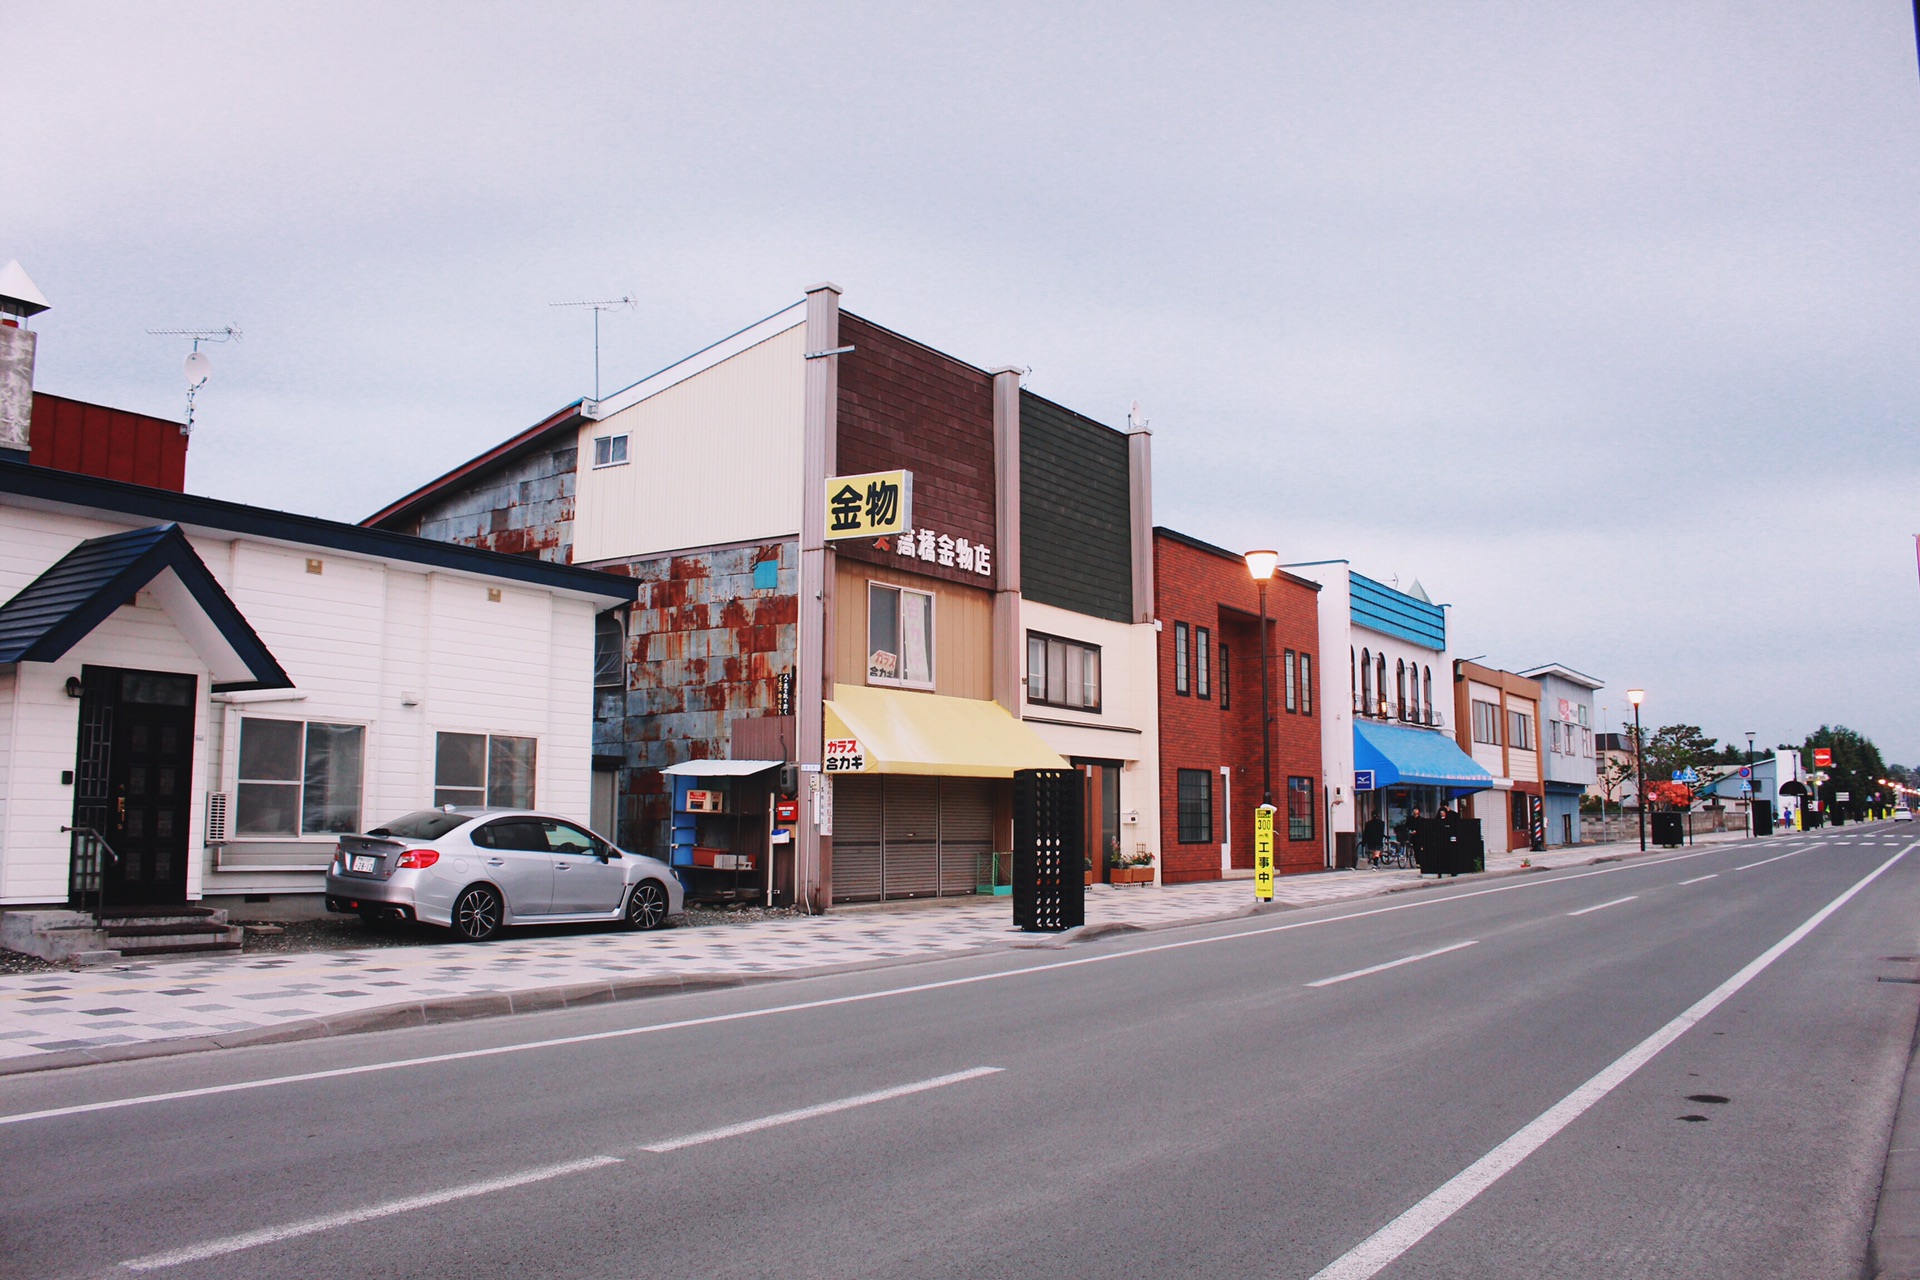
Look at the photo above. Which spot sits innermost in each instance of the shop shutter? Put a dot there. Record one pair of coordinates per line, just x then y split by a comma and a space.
966, 831
912, 837
856, 839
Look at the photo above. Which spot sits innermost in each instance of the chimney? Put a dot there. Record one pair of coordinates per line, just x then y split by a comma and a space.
19, 298
1140, 503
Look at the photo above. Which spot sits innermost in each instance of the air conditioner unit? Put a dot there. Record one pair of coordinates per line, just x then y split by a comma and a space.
216, 817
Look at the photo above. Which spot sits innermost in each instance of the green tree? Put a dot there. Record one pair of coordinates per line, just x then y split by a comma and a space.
1674, 747
1857, 767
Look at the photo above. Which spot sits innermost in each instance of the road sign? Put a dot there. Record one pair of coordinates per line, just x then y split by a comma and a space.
1745, 772
1263, 853
1363, 779
1822, 757
1843, 796
1746, 788
869, 506
1689, 776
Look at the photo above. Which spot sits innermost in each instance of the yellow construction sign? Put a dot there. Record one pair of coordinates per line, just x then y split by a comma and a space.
1263, 853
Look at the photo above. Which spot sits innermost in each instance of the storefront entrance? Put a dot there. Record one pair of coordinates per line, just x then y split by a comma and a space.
133, 782
1103, 816
908, 836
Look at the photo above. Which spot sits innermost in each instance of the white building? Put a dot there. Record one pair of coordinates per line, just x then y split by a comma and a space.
219, 691
1566, 717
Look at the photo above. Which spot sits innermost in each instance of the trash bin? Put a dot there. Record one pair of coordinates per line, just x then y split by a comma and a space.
1762, 819
1669, 830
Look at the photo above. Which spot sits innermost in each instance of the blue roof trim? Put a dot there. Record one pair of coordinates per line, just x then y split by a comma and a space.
1399, 756
58, 609
70, 489
1380, 608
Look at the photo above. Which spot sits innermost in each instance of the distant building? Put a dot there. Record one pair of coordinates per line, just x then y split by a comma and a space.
1497, 718
1566, 709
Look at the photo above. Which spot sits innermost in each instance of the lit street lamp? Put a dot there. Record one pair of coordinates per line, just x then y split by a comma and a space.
1261, 565
1636, 697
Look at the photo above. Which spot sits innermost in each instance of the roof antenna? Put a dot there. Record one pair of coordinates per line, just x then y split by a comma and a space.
197, 366
612, 304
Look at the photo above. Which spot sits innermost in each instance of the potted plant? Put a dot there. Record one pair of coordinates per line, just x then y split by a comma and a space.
1133, 868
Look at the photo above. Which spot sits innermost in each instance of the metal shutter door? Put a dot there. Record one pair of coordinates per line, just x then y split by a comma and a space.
856, 839
912, 837
966, 831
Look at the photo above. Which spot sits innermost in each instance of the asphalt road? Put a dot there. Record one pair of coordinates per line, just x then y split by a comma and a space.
1202, 1101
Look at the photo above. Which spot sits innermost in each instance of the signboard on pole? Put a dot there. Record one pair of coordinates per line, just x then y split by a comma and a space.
1822, 757
1363, 779
1263, 853
873, 505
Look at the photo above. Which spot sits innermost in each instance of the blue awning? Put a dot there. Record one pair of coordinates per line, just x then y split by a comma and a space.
1397, 756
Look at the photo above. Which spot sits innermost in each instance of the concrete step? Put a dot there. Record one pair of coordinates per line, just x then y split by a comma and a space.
154, 928
74, 937
175, 949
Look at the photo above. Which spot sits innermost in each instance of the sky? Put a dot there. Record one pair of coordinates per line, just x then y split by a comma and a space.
1599, 321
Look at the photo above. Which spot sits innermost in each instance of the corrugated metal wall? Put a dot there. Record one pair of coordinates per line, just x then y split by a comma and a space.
91, 439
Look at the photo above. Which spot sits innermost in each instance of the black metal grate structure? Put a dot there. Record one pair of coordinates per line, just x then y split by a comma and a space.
92, 804
1049, 868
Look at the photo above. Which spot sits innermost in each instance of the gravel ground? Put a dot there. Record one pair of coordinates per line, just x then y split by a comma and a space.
12, 963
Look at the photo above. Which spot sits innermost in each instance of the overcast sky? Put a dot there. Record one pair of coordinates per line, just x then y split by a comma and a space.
1599, 320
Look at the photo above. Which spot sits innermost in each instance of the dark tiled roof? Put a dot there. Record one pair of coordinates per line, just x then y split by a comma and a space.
82, 589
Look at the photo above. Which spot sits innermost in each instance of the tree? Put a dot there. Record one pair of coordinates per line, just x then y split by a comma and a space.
1857, 767
1675, 747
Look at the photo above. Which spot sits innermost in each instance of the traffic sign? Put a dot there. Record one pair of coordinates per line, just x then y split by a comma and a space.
1746, 788
1263, 853
1745, 772
1822, 757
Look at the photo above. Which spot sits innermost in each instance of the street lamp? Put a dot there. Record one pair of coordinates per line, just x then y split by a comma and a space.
1636, 697
1261, 565
1752, 784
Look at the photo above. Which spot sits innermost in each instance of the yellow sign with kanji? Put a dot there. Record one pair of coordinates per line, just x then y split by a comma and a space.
1263, 853
870, 506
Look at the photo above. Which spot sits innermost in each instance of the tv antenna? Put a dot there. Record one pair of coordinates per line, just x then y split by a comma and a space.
197, 365
611, 304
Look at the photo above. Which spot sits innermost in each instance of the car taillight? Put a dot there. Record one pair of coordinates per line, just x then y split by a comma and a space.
418, 858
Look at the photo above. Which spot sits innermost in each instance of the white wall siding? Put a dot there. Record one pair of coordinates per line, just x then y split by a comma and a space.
712, 459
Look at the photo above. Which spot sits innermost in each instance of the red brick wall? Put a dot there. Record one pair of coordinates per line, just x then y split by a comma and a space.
905, 405
1206, 589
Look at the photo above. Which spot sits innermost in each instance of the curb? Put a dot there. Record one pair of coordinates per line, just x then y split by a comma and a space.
1894, 1250
493, 1004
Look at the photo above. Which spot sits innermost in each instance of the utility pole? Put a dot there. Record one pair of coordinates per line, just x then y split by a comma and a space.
1636, 697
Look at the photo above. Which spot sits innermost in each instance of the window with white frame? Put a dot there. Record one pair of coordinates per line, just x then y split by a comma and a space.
483, 769
1486, 723
299, 777
1520, 730
899, 636
609, 451
1062, 673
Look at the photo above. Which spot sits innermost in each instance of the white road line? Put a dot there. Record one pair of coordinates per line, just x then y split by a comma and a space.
1391, 964
312, 1226
1764, 861
590, 1037
1602, 906
823, 1109
1383, 1247
1698, 879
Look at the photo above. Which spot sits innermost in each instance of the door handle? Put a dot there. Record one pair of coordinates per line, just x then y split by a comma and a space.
496, 862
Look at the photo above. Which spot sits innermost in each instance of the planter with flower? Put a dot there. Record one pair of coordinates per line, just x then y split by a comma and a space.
1129, 868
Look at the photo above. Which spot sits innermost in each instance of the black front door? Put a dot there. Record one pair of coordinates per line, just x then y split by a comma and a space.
133, 781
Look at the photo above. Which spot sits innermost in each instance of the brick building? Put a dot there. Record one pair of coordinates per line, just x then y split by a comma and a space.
1209, 678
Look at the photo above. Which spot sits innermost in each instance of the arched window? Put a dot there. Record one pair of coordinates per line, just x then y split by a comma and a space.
1366, 683
1429, 695
1400, 688
1380, 682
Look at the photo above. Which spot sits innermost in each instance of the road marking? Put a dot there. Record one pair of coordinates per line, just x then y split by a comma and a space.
1764, 861
1698, 879
352, 1217
1391, 964
804, 1006
1383, 1247
822, 1109
1604, 905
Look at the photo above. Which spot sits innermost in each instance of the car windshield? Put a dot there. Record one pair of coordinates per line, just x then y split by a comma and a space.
428, 824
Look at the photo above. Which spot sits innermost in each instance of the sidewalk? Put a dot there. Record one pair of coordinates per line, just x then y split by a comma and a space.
162, 1006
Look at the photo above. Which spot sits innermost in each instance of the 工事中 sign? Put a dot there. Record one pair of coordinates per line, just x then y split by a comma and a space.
869, 506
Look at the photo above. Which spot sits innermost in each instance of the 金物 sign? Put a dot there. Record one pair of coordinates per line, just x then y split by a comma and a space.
869, 506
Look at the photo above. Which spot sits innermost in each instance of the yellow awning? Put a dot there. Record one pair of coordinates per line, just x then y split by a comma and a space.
925, 733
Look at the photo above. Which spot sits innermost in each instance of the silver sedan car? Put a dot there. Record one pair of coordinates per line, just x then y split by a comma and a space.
476, 871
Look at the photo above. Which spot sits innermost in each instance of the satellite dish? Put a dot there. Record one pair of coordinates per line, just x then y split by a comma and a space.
198, 367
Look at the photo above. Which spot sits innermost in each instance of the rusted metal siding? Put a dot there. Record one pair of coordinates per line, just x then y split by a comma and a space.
706, 647
524, 508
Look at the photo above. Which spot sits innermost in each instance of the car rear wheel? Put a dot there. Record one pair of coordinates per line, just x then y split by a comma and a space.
647, 906
476, 914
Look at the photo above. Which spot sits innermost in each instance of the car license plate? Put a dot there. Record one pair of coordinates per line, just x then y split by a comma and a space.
365, 862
